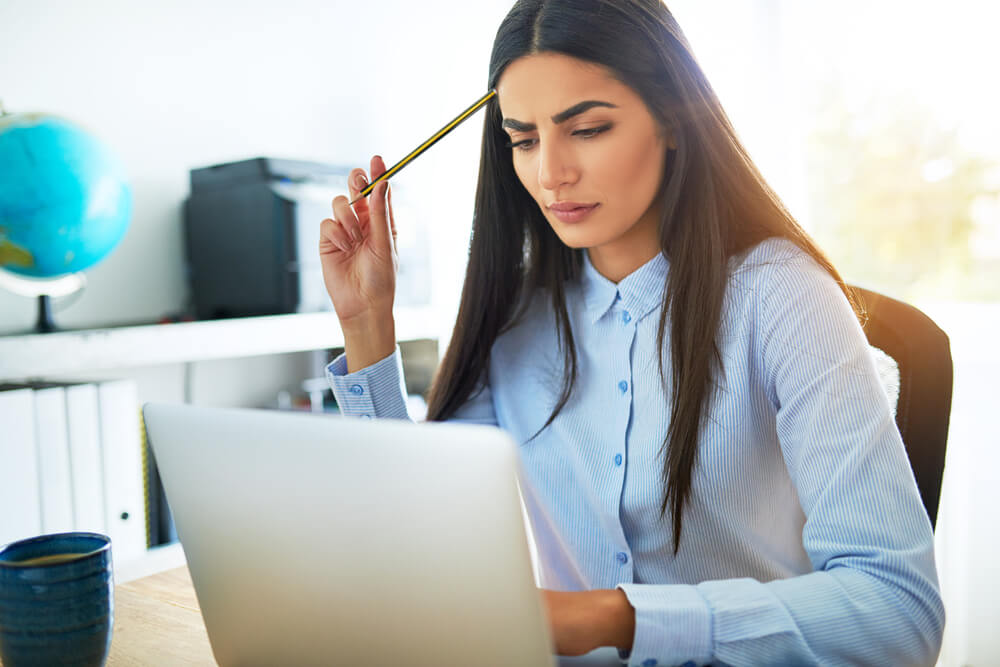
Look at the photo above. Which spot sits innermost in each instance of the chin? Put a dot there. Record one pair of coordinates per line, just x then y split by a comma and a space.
577, 236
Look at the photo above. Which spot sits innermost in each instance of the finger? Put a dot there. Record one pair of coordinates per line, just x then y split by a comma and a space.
357, 181
332, 237
342, 239
392, 217
378, 217
346, 216
377, 166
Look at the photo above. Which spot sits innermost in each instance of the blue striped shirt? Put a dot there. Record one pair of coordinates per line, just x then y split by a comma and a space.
805, 542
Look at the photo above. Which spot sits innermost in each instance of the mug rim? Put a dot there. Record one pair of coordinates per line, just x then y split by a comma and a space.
70, 557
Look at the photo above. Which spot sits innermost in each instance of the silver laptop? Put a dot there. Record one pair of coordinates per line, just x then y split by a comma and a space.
327, 540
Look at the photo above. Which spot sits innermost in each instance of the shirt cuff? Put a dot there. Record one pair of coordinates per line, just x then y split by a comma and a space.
673, 625
375, 391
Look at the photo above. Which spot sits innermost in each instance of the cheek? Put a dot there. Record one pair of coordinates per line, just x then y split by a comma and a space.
636, 169
525, 170
614, 167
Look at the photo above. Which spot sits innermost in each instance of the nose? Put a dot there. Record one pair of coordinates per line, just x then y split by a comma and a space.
556, 166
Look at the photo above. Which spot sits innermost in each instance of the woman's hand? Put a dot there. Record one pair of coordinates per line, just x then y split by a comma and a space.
357, 250
583, 621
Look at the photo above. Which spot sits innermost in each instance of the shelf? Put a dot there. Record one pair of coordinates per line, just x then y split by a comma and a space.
47, 355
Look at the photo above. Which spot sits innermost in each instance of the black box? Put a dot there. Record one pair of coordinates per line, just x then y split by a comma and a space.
252, 235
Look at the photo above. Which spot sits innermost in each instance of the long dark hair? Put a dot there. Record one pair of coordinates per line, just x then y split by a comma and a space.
715, 202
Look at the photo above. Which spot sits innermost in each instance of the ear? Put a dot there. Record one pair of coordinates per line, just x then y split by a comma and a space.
670, 138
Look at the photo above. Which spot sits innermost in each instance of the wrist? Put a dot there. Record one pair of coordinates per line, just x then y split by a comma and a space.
618, 622
368, 338
367, 322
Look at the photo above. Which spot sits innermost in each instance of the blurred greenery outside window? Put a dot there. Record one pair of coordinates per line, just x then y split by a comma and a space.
878, 123
901, 154
899, 203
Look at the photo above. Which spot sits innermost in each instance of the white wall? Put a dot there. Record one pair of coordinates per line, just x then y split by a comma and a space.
175, 85
967, 538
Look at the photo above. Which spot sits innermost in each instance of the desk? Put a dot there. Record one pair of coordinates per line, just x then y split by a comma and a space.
158, 622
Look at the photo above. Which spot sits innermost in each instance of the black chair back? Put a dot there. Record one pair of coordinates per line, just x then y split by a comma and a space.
923, 354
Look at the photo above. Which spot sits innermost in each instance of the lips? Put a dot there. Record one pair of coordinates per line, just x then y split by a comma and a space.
571, 211
569, 205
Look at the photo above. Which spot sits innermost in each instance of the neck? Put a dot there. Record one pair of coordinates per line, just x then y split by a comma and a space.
615, 265
625, 254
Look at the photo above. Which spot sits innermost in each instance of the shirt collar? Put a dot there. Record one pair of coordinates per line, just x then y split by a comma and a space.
640, 292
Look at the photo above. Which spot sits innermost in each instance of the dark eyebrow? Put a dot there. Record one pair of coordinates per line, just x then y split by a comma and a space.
560, 117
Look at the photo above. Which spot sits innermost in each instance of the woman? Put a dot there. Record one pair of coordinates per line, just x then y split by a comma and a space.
712, 469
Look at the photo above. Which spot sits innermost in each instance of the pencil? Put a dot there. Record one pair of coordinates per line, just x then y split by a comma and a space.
427, 144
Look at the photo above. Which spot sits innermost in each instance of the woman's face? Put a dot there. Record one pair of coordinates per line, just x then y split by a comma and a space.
591, 155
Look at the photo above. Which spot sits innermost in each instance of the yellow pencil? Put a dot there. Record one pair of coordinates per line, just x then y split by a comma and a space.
427, 144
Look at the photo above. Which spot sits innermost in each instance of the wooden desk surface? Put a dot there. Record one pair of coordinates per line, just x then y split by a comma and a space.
158, 622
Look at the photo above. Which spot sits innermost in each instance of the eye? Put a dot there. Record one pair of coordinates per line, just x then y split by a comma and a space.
523, 145
592, 131
588, 133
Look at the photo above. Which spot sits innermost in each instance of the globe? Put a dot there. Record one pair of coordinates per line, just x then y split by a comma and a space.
64, 200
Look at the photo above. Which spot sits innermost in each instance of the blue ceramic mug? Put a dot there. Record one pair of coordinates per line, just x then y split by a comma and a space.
56, 600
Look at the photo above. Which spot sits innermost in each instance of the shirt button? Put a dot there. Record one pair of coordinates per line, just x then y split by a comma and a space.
618, 459
623, 386
366, 416
357, 389
652, 663
622, 557
626, 318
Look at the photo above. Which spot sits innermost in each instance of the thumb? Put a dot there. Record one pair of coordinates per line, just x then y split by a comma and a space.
379, 209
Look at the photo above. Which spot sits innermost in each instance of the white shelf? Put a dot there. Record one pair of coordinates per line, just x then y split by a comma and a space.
46, 355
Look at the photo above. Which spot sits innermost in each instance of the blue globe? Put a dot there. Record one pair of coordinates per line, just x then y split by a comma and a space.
64, 200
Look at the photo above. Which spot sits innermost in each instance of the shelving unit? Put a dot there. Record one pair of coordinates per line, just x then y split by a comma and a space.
239, 362
46, 355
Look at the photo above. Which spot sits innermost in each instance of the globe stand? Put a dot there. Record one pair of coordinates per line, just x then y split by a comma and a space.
44, 323
43, 290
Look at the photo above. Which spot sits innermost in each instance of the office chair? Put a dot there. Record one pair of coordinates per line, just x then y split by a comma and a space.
923, 354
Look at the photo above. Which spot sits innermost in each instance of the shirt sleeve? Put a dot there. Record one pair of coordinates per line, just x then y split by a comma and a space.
380, 391
375, 391
873, 596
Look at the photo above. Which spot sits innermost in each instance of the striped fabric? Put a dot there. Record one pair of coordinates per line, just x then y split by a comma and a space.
806, 541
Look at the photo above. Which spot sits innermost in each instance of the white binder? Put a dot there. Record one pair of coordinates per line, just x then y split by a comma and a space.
53, 458
121, 447
83, 427
20, 496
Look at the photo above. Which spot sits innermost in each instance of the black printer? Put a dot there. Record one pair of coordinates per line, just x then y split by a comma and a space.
252, 238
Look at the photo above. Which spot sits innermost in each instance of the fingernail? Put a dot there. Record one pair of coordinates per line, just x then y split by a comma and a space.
361, 182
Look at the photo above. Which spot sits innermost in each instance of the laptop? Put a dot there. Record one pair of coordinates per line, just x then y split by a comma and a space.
316, 539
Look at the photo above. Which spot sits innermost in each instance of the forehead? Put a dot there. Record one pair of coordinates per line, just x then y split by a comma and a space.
544, 84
